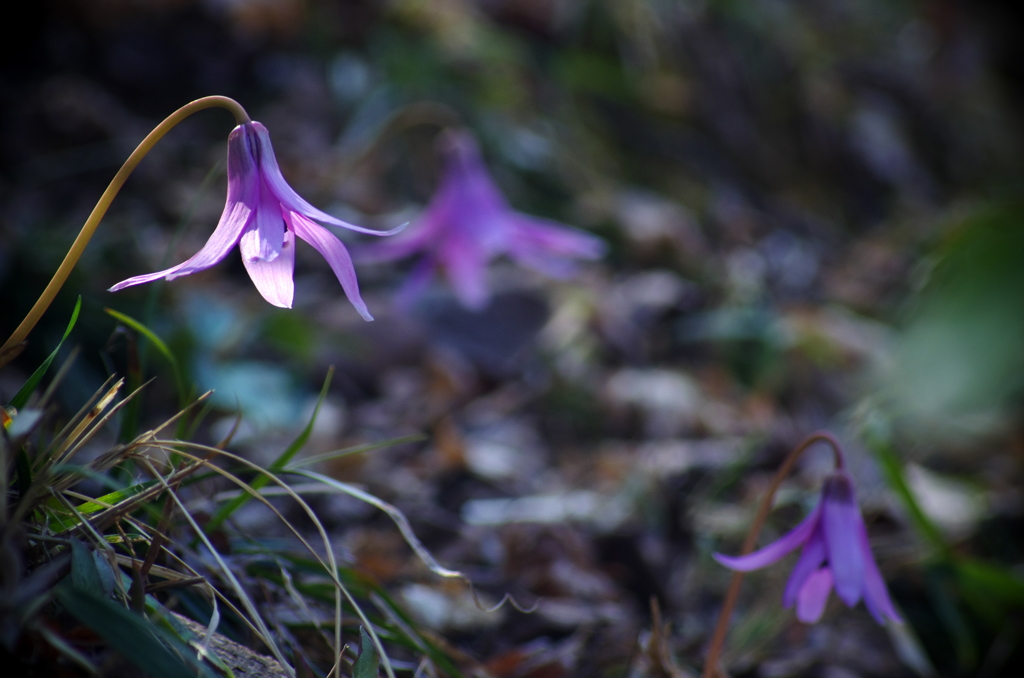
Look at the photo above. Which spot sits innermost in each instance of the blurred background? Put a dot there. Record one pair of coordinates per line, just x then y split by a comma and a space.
814, 219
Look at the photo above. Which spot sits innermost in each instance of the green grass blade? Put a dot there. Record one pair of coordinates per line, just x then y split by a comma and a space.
357, 449
22, 396
300, 441
160, 346
225, 511
893, 471
144, 331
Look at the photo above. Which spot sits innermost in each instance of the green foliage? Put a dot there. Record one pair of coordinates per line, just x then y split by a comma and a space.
224, 512
131, 635
90, 540
366, 665
958, 364
184, 393
21, 397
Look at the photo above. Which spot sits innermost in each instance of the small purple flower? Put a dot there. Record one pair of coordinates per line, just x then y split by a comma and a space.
263, 214
468, 223
835, 554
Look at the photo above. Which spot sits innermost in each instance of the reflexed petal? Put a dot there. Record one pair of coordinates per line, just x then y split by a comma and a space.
291, 200
549, 247
554, 238
150, 277
333, 250
876, 595
810, 560
810, 602
776, 550
273, 279
243, 181
840, 520
423, 234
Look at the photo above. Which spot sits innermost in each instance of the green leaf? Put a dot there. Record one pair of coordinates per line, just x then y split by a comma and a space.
893, 471
943, 596
160, 346
366, 665
101, 503
84, 574
991, 591
278, 465
144, 331
22, 396
300, 441
127, 633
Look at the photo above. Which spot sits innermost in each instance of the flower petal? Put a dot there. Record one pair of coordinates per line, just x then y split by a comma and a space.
269, 223
466, 182
547, 246
273, 279
876, 595
415, 282
810, 603
811, 558
242, 197
840, 521
286, 194
776, 550
422, 235
333, 250
466, 267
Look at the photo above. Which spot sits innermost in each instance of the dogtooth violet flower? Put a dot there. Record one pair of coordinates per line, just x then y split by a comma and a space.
263, 215
468, 223
835, 555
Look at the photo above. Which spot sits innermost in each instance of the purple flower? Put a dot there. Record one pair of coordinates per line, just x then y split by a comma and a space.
468, 223
263, 215
835, 554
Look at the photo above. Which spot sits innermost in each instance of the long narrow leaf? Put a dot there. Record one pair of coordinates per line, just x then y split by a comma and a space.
26, 391
160, 346
126, 632
225, 511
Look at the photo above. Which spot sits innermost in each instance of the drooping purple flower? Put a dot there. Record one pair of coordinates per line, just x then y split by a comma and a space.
263, 215
468, 223
835, 554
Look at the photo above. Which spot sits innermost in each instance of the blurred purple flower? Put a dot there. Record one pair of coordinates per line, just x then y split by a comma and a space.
468, 223
835, 554
263, 214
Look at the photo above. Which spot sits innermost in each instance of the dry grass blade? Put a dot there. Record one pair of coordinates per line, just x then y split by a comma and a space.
81, 438
250, 607
397, 516
167, 573
105, 518
331, 566
411, 539
85, 416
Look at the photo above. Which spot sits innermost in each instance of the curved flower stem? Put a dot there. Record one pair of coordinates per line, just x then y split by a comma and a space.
8, 350
732, 594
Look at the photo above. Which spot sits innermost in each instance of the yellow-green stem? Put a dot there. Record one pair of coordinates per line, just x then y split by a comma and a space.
733, 593
7, 351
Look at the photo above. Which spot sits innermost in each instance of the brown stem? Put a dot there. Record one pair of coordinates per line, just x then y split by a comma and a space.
731, 596
10, 348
